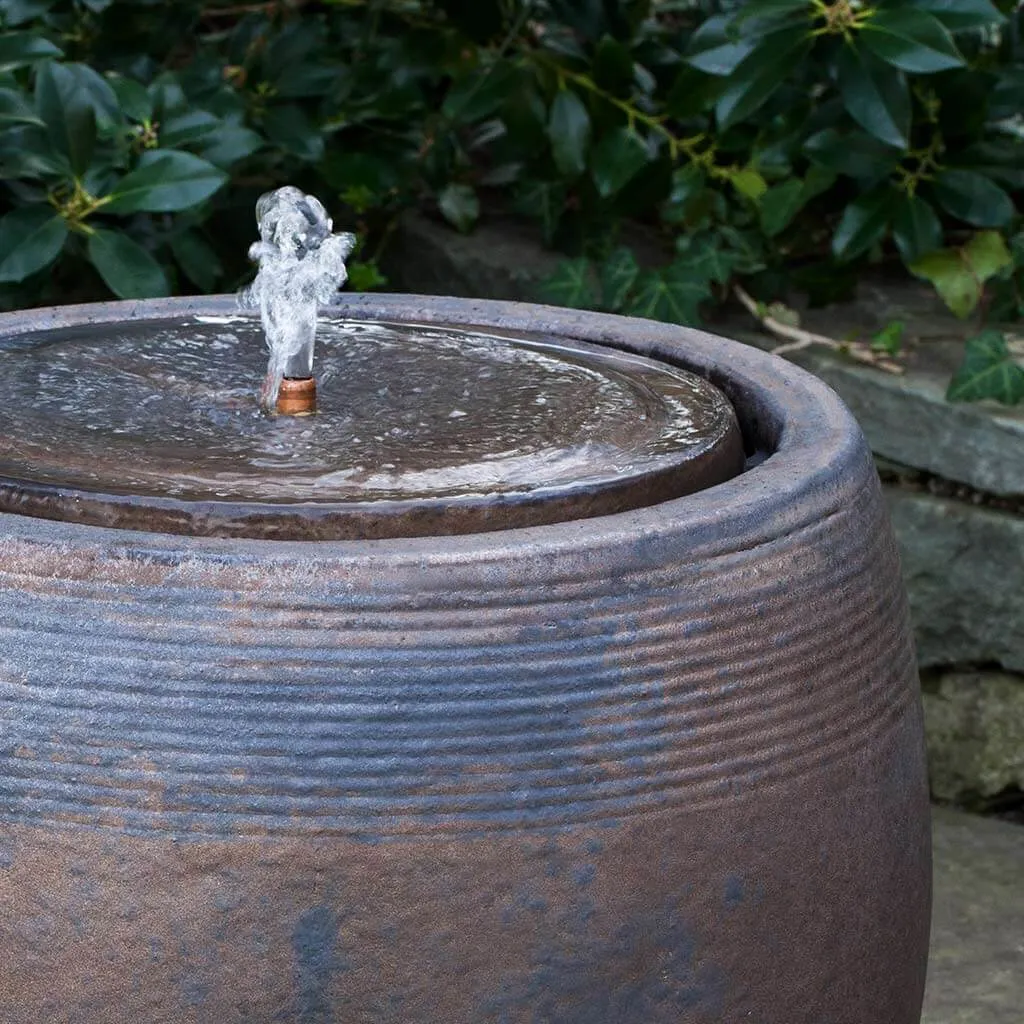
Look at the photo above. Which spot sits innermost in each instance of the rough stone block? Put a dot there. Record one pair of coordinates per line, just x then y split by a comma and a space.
975, 729
964, 570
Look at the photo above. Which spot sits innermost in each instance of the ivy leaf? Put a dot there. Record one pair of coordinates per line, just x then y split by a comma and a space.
673, 294
911, 40
875, 95
619, 156
916, 228
19, 49
973, 198
705, 258
780, 204
569, 131
889, 339
128, 270
959, 15
69, 115
863, 223
759, 75
544, 200
460, 206
618, 274
987, 371
31, 238
716, 51
165, 181
952, 278
986, 254
571, 284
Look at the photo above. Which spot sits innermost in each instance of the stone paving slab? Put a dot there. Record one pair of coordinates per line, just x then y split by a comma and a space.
976, 972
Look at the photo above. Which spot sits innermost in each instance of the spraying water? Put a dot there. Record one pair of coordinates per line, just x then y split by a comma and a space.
301, 266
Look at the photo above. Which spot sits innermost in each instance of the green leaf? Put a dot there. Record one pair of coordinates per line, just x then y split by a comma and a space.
479, 94
973, 198
165, 181
613, 66
571, 285
863, 223
952, 278
289, 127
916, 228
128, 270
673, 294
890, 338
187, 128
988, 371
619, 155
748, 182
760, 74
780, 204
68, 113
715, 50
132, 97
15, 109
618, 274
31, 238
569, 131
693, 92
958, 15
986, 254
365, 276
852, 153
911, 40
229, 144
460, 206
875, 94
197, 259
19, 49
770, 9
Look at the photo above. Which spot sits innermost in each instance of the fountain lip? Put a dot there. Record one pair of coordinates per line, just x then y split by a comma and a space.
813, 440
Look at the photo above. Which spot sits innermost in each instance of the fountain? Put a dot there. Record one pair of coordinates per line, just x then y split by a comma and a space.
556, 670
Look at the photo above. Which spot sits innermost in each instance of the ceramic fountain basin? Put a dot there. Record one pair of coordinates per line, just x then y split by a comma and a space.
655, 766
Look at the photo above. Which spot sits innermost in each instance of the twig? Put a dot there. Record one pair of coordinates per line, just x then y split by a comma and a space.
797, 338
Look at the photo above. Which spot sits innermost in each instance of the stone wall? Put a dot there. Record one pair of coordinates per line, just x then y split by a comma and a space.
953, 476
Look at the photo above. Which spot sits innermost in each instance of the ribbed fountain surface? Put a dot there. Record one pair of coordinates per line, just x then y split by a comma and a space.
420, 431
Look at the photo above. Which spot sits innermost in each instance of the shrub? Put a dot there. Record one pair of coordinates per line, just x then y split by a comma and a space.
777, 143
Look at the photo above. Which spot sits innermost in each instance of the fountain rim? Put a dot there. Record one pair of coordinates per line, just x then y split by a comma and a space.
814, 438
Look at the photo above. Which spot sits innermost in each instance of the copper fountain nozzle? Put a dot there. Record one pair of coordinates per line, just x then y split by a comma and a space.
297, 396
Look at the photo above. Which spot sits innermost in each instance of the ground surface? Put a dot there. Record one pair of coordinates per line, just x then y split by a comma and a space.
976, 972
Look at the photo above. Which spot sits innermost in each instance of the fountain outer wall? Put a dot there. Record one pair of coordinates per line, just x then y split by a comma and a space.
662, 766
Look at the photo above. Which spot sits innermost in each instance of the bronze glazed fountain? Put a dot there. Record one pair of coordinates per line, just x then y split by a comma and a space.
557, 671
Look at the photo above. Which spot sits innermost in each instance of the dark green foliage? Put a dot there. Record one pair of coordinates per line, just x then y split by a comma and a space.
783, 142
